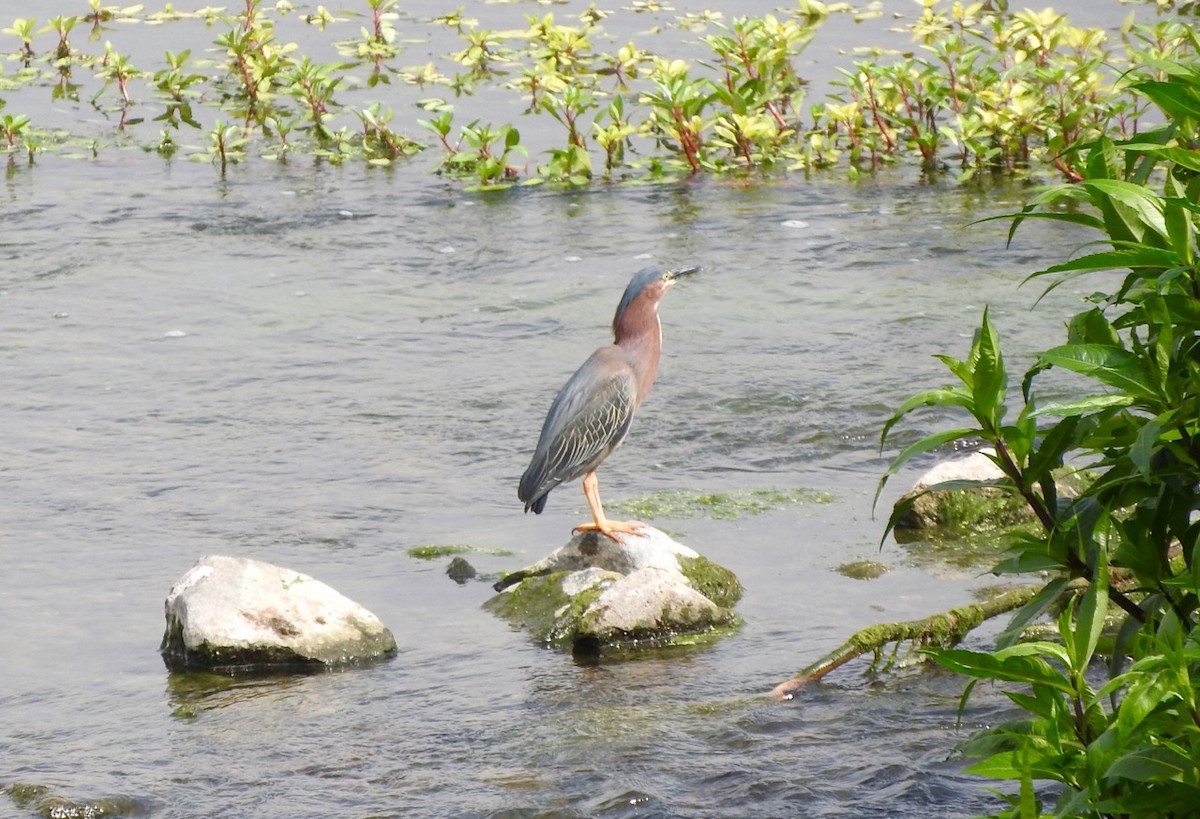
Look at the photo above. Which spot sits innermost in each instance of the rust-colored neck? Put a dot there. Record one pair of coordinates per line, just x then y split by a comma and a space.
638, 333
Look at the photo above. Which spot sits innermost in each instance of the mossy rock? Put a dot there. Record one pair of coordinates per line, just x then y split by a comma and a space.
544, 608
715, 582
966, 510
863, 569
985, 509
639, 591
39, 800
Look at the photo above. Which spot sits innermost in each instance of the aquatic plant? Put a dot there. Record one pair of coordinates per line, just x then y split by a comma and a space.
62, 26
175, 83
226, 144
116, 67
380, 144
23, 28
482, 152
984, 89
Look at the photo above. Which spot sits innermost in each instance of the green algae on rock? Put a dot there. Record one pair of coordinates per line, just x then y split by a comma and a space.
638, 591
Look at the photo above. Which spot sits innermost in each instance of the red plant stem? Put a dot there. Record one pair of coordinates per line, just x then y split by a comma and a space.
1067, 171
686, 139
879, 123
772, 109
774, 112
247, 79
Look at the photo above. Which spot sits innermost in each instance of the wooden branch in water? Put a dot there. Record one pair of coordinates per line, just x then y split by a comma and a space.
945, 629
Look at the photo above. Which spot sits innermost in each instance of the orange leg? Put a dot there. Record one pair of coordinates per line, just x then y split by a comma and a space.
591, 491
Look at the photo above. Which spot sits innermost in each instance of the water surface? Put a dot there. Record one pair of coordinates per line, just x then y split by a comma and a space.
324, 368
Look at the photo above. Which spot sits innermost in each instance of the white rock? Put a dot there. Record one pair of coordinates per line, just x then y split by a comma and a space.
975, 467
236, 613
646, 602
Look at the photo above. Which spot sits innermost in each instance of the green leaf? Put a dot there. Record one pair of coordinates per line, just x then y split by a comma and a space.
990, 381
1017, 765
1093, 607
1023, 669
1148, 691
912, 450
1159, 764
1146, 442
1035, 648
1114, 366
1032, 610
1180, 232
960, 368
944, 397
1055, 442
1051, 196
1082, 406
1139, 258
1195, 564
1177, 100
511, 138
1137, 208
1091, 327
1083, 219
1028, 563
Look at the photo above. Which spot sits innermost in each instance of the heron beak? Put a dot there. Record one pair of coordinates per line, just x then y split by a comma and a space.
672, 275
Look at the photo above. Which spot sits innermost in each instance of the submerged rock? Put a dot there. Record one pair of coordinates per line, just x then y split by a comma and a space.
460, 571
40, 800
236, 614
600, 591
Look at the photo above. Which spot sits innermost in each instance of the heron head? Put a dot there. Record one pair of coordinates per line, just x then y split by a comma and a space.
652, 281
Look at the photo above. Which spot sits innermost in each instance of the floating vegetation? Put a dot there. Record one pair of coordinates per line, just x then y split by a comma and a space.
863, 569
435, 551
717, 505
980, 90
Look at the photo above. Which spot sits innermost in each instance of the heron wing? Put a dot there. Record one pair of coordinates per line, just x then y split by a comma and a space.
590, 416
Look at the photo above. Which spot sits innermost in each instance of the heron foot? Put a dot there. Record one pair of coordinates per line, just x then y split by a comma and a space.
611, 527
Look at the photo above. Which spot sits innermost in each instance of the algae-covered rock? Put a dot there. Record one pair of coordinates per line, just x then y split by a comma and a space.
863, 569
961, 510
645, 589
965, 509
236, 614
960, 507
40, 800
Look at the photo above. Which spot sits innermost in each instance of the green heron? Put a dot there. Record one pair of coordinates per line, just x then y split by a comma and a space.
593, 411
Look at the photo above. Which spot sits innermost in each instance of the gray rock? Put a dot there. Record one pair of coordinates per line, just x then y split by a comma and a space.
236, 614
645, 589
460, 571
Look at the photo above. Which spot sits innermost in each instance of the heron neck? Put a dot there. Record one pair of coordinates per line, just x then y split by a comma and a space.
639, 335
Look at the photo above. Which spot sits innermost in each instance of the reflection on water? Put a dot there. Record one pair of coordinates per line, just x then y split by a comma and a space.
245, 369
189, 693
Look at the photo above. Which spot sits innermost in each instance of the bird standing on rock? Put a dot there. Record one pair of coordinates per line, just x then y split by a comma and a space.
593, 411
